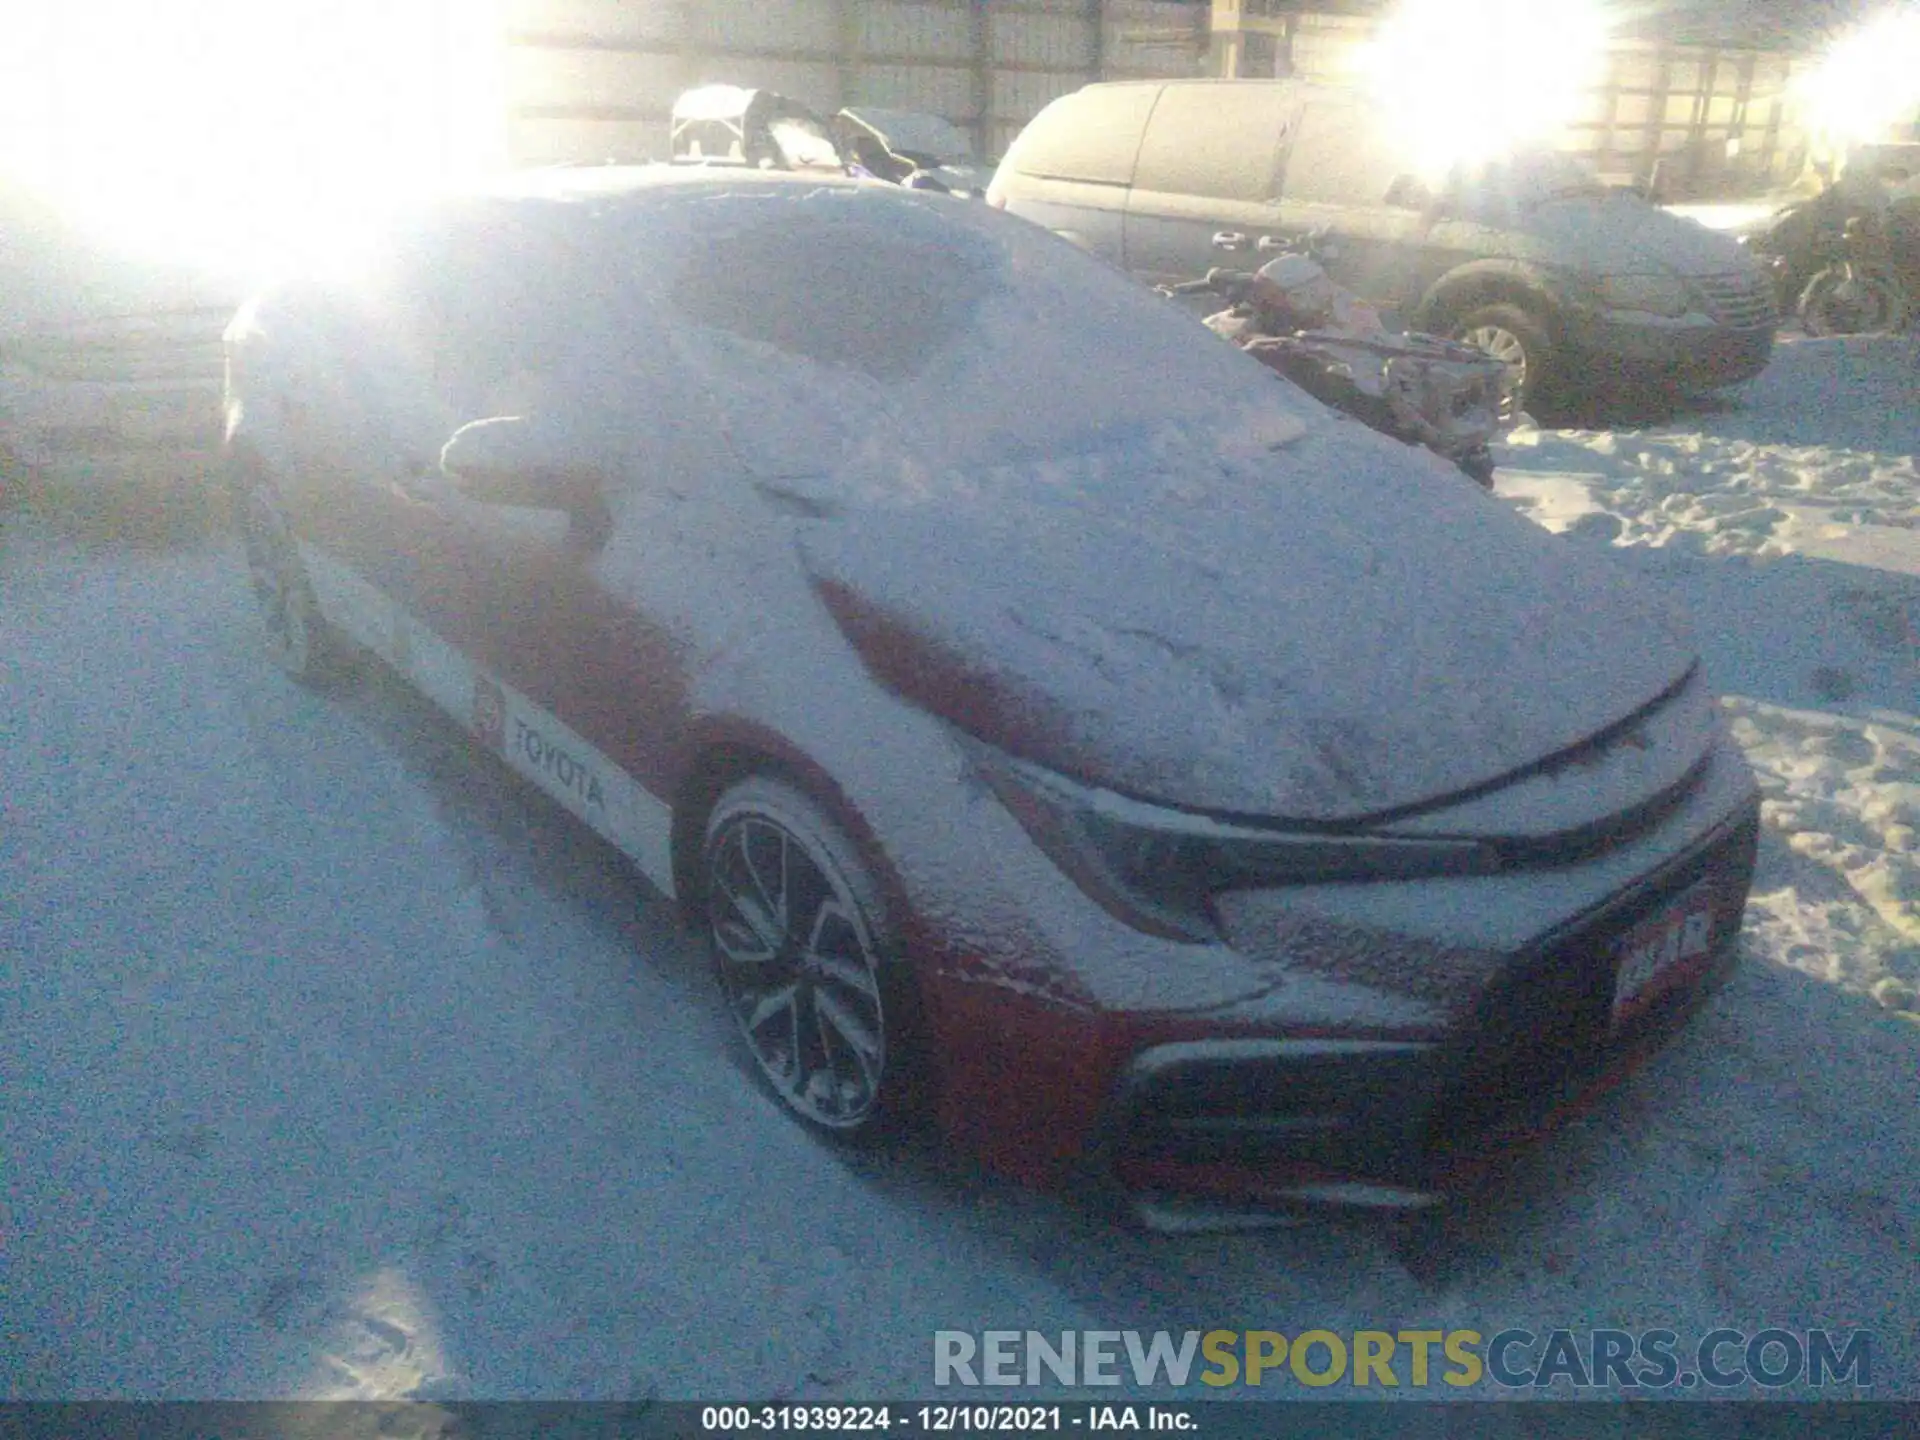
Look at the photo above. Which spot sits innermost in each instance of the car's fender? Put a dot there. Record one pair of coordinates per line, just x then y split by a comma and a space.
1480, 282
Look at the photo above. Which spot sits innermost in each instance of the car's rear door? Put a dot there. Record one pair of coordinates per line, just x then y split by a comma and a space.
1206, 189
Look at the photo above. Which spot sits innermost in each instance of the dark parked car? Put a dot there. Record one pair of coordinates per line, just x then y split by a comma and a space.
1569, 280
1169, 786
906, 145
734, 125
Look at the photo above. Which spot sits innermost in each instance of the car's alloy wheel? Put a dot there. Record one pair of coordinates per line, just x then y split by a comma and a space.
1503, 345
1510, 350
1514, 338
1852, 301
295, 634
803, 957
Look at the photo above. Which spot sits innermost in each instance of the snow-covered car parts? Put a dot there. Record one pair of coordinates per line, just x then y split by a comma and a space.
1058, 728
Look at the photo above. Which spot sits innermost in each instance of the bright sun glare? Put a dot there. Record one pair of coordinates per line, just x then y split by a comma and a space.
1867, 82
241, 134
1461, 81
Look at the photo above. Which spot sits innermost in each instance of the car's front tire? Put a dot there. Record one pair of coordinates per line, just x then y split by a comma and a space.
297, 636
807, 960
1516, 338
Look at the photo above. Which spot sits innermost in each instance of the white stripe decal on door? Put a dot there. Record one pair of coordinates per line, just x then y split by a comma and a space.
532, 740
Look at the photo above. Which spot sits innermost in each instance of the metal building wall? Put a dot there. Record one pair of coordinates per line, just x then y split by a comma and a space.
1714, 119
592, 80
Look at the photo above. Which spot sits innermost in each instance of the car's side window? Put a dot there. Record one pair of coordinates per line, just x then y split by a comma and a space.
487, 313
1337, 158
1215, 142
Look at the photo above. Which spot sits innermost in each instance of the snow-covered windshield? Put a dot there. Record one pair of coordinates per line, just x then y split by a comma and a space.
836, 323
910, 133
1519, 183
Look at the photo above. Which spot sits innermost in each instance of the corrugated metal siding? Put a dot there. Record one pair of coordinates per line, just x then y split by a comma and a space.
1325, 46
1677, 104
1153, 38
807, 81
1048, 42
593, 79
790, 25
605, 22
608, 83
912, 31
944, 90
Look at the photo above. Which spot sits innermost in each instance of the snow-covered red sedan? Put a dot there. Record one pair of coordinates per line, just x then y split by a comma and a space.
1055, 723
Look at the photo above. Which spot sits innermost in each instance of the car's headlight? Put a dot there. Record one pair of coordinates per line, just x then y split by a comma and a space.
1649, 294
1159, 868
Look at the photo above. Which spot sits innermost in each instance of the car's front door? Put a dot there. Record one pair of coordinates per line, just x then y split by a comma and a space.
1354, 192
580, 685
1205, 190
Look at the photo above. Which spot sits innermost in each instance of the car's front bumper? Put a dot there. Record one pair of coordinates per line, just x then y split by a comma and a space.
1396, 1124
1691, 353
1413, 1034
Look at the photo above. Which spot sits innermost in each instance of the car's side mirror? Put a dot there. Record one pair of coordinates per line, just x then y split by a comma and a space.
517, 460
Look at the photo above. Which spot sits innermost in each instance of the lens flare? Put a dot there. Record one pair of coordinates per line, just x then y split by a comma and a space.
1868, 82
1469, 81
238, 134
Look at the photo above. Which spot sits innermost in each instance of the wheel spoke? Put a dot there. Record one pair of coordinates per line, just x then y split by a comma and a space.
800, 1072
748, 904
855, 1038
846, 974
832, 1089
784, 998
774, 900
853, 974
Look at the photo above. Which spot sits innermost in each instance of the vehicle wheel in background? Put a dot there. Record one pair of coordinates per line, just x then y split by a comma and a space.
1865, 303
1512, 335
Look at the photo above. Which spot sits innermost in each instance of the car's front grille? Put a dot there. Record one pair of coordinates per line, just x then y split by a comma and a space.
1742, 301
1543, 1033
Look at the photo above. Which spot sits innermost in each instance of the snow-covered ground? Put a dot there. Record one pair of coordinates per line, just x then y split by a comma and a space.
1788, 524
335, 1062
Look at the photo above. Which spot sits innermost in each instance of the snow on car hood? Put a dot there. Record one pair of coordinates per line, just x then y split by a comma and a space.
1050, 508
1332, 630
1623, 235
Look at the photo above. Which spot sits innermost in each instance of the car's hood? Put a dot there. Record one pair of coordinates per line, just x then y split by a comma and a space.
1621, 235
1337, 630
1735, 218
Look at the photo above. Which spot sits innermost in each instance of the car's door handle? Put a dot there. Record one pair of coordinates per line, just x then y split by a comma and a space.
1229, 240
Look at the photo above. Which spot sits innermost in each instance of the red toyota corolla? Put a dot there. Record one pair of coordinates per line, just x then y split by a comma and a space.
1055, 723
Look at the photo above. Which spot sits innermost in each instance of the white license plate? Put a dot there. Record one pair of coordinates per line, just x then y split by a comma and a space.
1663, 951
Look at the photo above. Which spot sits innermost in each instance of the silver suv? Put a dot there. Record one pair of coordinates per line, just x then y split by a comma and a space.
1571, 281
